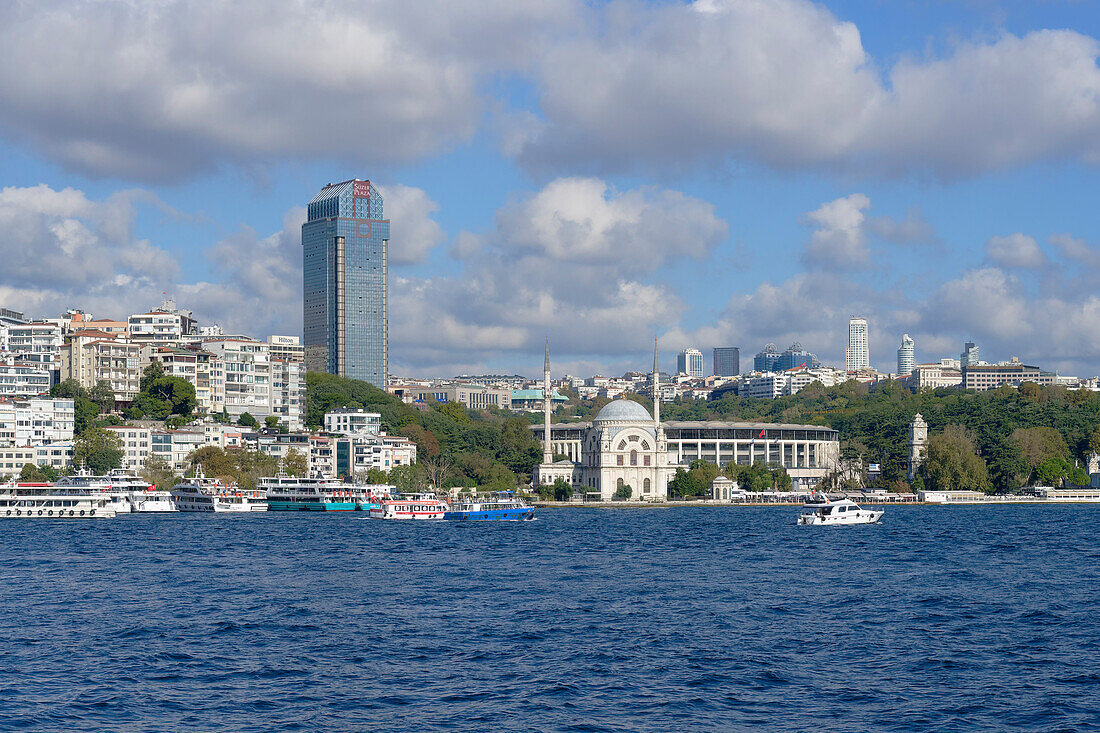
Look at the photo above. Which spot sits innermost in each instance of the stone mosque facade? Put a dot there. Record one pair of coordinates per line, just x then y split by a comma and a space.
626, 446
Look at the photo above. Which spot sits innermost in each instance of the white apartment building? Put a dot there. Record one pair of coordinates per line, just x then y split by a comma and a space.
690, 362
857, 355
288, 392
164, 329
331, 456
202, 369
23, 379
766, 386
474, 396
55, 455
94, 356
36, 421
175, 446
347, 421
257, 384
287, 348
136, 445
33, 338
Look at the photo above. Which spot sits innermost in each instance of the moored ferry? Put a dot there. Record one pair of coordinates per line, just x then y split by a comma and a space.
46, 501
127, 491
498, 506
293, 494
201, 494
410, 506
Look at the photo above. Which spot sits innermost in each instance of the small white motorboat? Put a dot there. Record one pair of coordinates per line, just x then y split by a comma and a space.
842, 511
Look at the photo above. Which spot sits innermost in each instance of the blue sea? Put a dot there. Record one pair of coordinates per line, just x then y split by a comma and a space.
939, 619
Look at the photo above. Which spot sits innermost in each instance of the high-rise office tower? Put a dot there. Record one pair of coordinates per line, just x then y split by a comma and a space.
905, 356
727, 361
970, 356
767, 360
796, 357
858, 354
344, 242
690, 362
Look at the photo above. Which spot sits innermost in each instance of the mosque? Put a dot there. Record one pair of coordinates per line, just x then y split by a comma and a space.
625, 446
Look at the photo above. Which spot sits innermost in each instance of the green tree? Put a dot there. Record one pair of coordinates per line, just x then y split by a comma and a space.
214, 462
98, 450
951, 462
159, 472
162, 395
103, 395
624, 492
295, 463
31, 474
408, 478
247, 420
563, 490
271, 421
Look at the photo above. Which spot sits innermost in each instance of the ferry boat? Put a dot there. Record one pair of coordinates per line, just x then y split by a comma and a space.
46, 501
292, 494
410, 506
201, 494
500, 507
127, 491
842, 511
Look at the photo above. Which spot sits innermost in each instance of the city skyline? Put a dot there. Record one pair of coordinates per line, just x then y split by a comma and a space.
522, 208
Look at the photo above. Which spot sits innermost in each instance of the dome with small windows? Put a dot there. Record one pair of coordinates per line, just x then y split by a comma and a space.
623, 410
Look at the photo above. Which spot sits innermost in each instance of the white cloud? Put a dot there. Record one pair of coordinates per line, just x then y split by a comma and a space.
839, 241
1016, 251
1075, 248
162, 90
410, 212
787, 84
574, 259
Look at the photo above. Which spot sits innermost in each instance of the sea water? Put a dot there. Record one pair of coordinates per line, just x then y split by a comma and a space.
940, 618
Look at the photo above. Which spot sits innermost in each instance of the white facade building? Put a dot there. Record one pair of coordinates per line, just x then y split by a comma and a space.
905, 356
36, 421
858, 354
23, 379
160, 328
690, 362
346, 421
136, 445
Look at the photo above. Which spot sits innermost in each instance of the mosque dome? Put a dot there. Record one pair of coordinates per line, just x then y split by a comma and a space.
623, 410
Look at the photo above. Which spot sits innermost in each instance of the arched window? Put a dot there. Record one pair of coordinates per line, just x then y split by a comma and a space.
645, 486
619, 484
622, 445
645, 445
633, 458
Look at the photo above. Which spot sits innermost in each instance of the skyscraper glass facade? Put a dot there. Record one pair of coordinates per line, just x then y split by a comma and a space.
727, 361
345, 319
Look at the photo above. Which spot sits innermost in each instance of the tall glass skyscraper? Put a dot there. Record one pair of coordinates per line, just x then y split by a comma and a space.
345, 325
727, 361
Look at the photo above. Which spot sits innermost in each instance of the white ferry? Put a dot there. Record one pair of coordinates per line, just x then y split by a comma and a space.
410, 506
292, 494
127, 491
500, 506
842, 511
44, 500
201, 494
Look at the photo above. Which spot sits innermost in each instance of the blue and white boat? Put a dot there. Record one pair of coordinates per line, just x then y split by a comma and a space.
498, 506
316, 494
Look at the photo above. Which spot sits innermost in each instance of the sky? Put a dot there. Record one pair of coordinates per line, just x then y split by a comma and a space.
713, 173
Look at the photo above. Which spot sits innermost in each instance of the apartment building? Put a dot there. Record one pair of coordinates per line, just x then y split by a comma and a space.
94, 356
23, 379
36, 421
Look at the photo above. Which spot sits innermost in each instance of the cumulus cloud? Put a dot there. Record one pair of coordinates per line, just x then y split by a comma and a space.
787, 84
165, 90
1016, 251
157, 91
574, 258
839, 240
410, 213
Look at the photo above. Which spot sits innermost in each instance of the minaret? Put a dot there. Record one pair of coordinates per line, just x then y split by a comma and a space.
656, 389
547, 451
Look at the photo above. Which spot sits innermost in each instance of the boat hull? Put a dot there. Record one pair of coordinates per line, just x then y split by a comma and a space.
275, 505
861, 517
503, 515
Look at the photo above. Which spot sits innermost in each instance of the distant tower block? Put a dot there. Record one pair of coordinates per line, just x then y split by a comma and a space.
918, 443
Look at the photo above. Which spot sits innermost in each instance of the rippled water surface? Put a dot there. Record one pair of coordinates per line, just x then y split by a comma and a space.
959, 618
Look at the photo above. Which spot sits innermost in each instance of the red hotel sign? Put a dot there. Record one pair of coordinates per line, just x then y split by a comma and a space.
361, 189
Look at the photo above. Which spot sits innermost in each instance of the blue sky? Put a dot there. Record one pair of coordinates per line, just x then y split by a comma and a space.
724, 172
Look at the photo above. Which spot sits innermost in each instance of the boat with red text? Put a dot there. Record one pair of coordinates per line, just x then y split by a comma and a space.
201, 494
410, 506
